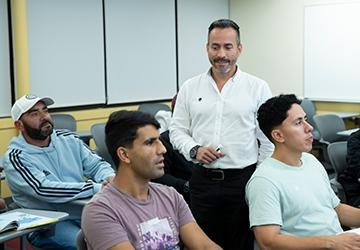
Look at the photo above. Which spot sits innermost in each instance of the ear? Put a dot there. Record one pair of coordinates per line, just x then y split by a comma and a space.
123, 155
277, 135
19, 125
240, 48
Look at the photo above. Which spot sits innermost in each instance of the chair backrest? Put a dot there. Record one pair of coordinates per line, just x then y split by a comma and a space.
80, 241
309, 108
337, 154
64, 121
328, 125
153, 108
98, 133
1, 163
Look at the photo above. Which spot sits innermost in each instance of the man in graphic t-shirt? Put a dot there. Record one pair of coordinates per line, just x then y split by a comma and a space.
131, 212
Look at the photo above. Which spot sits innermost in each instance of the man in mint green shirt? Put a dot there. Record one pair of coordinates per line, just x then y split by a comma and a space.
292, 205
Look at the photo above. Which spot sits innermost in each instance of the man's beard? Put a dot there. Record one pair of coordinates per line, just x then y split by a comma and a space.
219, 69
39, 133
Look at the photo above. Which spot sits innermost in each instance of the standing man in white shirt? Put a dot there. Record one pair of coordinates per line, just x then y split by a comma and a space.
214, 124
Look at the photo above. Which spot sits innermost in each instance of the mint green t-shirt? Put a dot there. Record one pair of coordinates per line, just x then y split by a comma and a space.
298, 199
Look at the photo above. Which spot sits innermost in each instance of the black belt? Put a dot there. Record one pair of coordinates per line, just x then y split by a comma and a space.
218, 174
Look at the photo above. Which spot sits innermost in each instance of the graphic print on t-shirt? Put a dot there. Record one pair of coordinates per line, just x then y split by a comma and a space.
158, 234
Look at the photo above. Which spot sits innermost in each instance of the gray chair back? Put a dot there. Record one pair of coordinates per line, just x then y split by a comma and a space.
309, 108
337, 152
98, 133
64, 121
1, 163
153, 108
328, 125
80, 241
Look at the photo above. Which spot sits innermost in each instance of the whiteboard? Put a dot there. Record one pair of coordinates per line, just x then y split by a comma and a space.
140, 50
194, 18
5, 83
66, 51
332, 52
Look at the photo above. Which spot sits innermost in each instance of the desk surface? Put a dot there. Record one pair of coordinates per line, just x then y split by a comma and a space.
347, 132
343, 115
8, 235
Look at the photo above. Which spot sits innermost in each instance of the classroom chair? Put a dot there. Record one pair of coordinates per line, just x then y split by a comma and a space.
98, 134
64, 121
328, 125
337, 154
80, 241
309, 108
153, 108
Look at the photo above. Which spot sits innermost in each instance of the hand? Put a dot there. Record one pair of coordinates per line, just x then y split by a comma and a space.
347, 241
110, 178
107, 181
207, 155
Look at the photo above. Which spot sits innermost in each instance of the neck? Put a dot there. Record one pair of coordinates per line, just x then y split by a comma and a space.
38, 143
126, 182
288, 157
221, 79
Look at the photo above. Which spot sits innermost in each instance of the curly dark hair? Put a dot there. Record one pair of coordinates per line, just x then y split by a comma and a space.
274, 111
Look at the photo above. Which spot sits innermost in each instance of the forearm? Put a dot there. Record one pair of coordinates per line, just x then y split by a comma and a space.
95, 168
348, 215
286, 242
182, 141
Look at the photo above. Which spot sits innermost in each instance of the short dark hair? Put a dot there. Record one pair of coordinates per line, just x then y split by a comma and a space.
274, 111
121, 130
225, 23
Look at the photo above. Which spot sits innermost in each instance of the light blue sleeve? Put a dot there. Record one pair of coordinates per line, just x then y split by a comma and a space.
25, 178
94, 166
263, 199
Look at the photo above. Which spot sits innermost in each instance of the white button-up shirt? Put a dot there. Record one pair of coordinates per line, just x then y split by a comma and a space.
204, 116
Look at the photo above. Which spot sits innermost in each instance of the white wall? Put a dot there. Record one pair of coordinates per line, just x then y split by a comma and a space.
5, 90
273, 37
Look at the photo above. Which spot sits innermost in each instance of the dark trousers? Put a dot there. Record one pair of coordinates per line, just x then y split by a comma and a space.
219, 207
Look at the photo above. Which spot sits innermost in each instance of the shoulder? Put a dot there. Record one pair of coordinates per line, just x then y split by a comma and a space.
267, 166
313, 164
308, 156
251, 79
17, 142
257, 88
161, 188
196, 81
100, 202
266, 174
64, 134
354, 139
162, 191
309, 159
17, 149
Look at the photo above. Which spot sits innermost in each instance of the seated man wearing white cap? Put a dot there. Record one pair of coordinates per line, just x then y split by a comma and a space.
45, 167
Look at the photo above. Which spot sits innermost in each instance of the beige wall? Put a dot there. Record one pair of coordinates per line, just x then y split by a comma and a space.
272, 39
272, 36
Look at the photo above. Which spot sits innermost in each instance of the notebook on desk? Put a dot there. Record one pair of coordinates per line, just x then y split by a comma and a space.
22, 220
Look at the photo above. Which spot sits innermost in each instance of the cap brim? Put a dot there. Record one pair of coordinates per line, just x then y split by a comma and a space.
47, 100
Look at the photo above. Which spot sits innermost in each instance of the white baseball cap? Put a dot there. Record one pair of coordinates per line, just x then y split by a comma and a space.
25, 103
